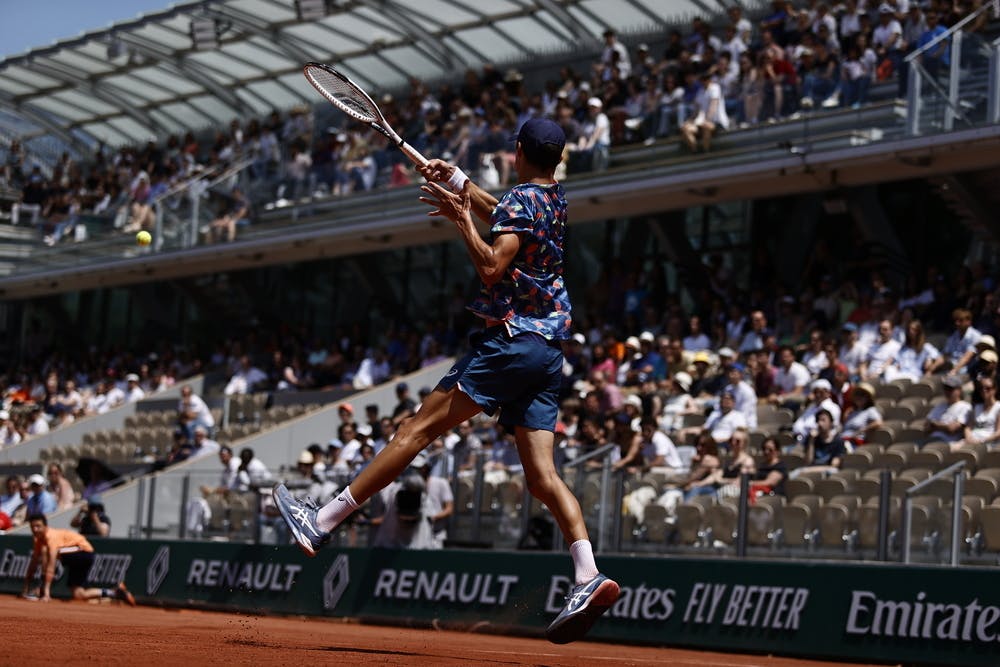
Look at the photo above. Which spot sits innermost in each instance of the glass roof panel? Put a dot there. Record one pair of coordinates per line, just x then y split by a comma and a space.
268, 55
191, 117
268, 11
137, 90
212, 113
158, 76
372, 74
60, 110
13, 86
29, 77
72, 59
353, 33
279, 96
168, 38
220, 62
167, 121
130, 127
258, 105
108, 134
490, 44
85, 103
298, 83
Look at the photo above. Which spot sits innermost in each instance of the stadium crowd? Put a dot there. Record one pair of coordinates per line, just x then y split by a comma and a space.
700, 81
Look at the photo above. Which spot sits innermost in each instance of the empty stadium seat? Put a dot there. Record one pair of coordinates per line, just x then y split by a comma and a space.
928, 459
828, 488
690, 519
654, 523
868, 521
761, 524
798, 487
893, 460
722, 520
983, 487
836, 520
859, 459
880, 436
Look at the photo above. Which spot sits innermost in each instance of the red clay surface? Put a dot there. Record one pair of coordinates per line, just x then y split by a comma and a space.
61, 632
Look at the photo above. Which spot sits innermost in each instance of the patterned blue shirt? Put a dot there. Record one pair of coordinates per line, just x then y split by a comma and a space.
531, 295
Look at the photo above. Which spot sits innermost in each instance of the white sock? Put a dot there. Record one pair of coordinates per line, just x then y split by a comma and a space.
583, 561
334, 512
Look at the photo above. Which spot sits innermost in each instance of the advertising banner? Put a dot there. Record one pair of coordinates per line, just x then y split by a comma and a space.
871, 612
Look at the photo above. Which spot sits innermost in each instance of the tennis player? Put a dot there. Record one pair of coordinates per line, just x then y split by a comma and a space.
77, 555
514, 366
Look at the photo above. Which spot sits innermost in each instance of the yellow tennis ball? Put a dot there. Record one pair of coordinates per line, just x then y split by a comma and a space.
143, 238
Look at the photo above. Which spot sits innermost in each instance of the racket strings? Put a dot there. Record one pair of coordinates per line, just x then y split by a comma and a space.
343, 94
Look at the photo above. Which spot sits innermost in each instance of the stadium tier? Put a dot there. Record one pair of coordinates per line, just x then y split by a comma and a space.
778, 375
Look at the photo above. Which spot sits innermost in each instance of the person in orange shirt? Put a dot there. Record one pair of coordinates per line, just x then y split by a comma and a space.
77, 556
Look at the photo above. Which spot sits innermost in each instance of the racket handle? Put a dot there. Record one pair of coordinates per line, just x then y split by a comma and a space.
412, 153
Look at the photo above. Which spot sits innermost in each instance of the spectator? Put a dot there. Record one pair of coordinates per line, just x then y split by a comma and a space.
881, 355
405, 405
192, 411
825, 450
60, 487
9, 435
960, 348
416, 508
677, 403
887, 40
251, 470
725, 419
592, 150
202, 445
236, 212
852, 351
702, 479
862, 416
40, 501
744, 395
462, 446
939, 55
133, 391
916, 358
12, 499
245, 379
772, 472
53, 545
92, 520
739, 462
983, 427
709, 114
805, 426
754, 338
790, 380
37, 424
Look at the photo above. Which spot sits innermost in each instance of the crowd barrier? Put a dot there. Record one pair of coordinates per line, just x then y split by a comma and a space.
869, 612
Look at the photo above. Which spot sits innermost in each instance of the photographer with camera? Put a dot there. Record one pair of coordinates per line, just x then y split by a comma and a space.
91, 519
416, 506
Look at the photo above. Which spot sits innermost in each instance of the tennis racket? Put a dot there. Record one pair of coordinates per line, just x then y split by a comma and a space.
355, 102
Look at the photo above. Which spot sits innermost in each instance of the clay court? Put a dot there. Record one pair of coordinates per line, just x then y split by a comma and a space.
112, 634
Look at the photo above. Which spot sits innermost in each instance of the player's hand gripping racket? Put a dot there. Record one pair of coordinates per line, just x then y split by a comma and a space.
352, 100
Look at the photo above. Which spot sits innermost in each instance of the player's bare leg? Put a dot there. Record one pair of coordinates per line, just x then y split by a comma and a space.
311, 526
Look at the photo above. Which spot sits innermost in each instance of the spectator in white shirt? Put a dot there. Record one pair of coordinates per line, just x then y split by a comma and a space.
133, 392
245, 378
36, 422
192, 411
960, 348
947, 421
881, 355
791, 378
696, 339
8, 434
805, 425
710, 114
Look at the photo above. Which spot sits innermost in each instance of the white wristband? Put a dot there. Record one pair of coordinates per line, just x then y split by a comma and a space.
457, 180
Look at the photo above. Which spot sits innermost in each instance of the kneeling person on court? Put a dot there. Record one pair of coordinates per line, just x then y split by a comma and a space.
77, 556
514, 368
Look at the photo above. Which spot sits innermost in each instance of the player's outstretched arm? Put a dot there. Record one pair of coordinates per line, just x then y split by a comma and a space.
482, 202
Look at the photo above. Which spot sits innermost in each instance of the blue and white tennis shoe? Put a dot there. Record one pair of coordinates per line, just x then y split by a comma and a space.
300, 515
584, 605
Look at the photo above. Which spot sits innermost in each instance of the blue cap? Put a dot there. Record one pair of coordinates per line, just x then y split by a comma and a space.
540, 131
738, 367
849, 326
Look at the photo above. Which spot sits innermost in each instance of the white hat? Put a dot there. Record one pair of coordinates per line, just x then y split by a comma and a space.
4, 415
306, 458
36, 479
647, 336
364, 429
634, 401
595, 102
632, 341
131, 377
822, 384
726, 352
884, 8
684, 380
579, 338
987, 341
419, 461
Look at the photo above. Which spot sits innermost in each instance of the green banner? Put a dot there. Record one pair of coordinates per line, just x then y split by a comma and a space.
916, 614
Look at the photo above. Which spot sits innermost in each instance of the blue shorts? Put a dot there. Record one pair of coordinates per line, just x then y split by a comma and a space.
520, 376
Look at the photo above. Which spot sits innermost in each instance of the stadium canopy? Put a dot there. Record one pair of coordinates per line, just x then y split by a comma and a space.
200, 64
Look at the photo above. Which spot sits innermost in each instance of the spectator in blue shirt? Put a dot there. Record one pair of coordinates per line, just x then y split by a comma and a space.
40, 501
940, 53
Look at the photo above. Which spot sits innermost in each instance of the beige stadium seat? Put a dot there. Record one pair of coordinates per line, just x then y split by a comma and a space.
828, 488
868, 518
937, 446
798, 521
894, 461
798, 487
867, 489
970, 456
836, 519
690, 522
923, 389
464, 497
983, 487
761, 524
722, 520
930, 460
926, 521
655, 523
989, 520
793, 461
991, 459
892, 392
859, 459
